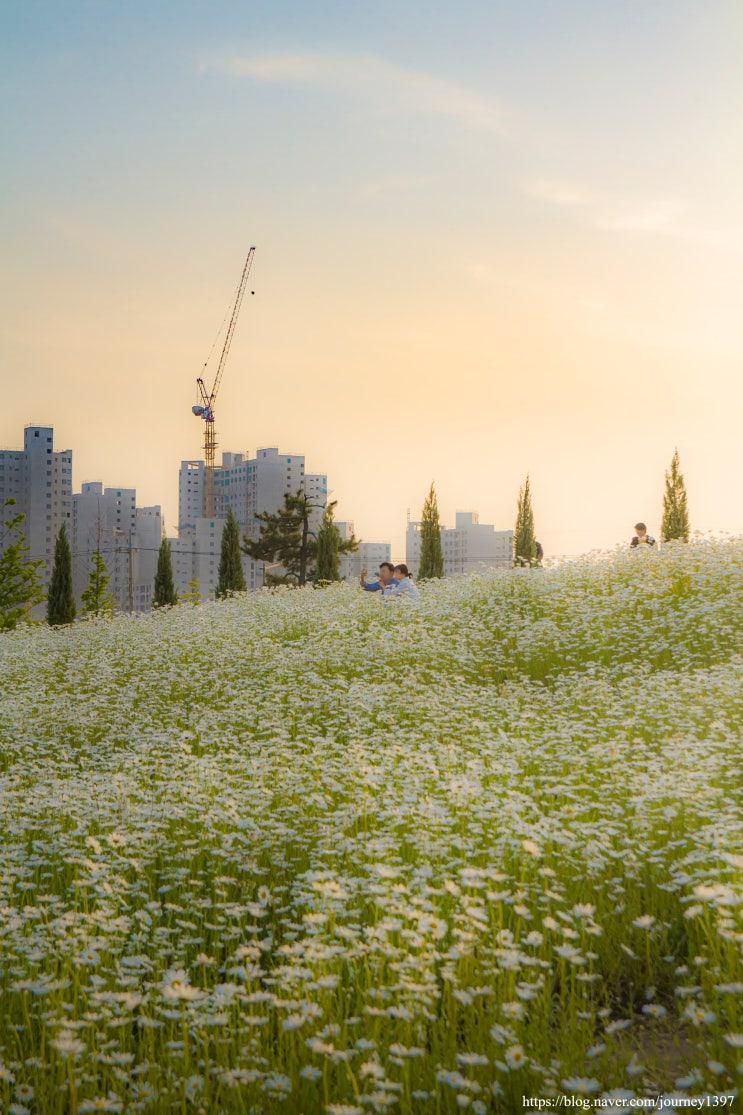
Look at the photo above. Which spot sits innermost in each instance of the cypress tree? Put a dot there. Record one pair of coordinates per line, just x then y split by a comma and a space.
675, 527
328, 548
524, 543
60, 604
164, 590
97, 600
231, 577
432, 554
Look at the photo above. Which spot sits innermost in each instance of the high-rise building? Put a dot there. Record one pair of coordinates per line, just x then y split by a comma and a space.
39, 479
195, 554
316, 487
128, 537
105, 520
251, 485
247, 486
467, 546
190, 494
149, 535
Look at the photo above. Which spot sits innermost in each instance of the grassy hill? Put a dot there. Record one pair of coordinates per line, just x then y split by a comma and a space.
307, 852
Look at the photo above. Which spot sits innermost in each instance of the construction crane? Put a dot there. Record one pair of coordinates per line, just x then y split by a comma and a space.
205, 409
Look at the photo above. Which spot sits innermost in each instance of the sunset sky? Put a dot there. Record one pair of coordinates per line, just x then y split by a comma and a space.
492, 239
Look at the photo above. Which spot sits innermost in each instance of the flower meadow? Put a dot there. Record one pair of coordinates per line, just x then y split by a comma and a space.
304, 851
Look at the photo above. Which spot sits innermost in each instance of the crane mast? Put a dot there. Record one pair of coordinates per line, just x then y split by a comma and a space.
205, 409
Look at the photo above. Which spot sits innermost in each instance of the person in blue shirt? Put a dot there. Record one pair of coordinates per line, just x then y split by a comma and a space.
402, 584
386, 570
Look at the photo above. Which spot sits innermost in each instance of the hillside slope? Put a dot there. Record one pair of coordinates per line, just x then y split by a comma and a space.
304, 849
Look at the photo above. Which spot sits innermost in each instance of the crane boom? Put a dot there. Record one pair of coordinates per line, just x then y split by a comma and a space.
205, 409
231, 326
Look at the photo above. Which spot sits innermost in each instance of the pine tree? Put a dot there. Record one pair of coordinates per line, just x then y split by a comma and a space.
432, 555
285, 539
164, 590
97, 600
230, 576
524, 544
20, 586
329, 544
60, 604
675, 527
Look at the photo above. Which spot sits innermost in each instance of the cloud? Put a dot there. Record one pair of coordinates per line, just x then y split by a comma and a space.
374, 79
660, 216
395, 185
608, 210
561, 193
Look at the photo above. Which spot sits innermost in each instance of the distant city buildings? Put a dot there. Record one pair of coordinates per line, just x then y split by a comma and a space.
39, 479
247, 486
467, 546
107, 518
128, 537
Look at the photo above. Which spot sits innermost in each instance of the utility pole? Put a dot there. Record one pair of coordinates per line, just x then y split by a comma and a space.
131, 582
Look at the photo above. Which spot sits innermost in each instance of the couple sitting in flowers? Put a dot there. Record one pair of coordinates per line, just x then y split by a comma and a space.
393, 580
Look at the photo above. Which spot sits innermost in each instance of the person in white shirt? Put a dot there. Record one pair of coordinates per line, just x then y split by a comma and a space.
402, 584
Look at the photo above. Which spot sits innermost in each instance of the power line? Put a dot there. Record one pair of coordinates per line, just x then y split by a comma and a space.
143, 550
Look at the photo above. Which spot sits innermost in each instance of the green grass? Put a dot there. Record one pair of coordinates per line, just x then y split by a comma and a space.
303, 851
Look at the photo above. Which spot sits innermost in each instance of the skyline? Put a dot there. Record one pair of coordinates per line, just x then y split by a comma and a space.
411, 519
489, 242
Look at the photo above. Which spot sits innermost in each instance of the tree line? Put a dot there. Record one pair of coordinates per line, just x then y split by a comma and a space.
285, 543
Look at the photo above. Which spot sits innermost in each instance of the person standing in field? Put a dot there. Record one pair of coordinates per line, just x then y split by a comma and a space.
402, 584
386, 570
641, 538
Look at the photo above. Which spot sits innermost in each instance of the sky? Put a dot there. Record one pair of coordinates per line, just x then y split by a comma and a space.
491, 238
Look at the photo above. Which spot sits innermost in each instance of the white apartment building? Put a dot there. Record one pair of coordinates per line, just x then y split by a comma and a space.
467, 546
39, 479
250, 485
149, 535
369, 555
103, 519
127, 536
316, 487
190, 494
195, 554
247, 486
